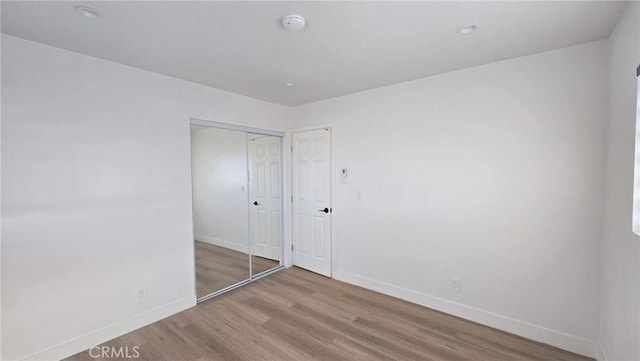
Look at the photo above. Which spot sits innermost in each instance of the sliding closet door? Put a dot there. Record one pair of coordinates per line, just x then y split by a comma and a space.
220, 199
237, 204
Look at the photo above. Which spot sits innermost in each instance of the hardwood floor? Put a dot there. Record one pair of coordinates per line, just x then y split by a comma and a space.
219, 267
298, 315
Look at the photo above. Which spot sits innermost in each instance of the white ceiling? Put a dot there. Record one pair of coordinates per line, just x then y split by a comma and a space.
347, 46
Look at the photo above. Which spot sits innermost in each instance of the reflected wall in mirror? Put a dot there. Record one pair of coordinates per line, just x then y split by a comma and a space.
220, 198
265, 196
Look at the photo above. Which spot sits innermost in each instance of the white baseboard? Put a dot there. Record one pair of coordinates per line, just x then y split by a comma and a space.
244, 248
538, 333
105, 334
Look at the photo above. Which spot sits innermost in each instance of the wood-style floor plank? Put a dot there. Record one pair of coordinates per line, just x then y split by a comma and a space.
298, 315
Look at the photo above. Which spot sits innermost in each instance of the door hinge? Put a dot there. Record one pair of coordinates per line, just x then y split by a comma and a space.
292, 247
292, 198
292, 149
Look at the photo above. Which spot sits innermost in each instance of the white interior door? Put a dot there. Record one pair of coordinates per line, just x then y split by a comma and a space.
311, 168
264, 194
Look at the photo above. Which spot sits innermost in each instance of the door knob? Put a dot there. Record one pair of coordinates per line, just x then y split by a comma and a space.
256, 203
326, 210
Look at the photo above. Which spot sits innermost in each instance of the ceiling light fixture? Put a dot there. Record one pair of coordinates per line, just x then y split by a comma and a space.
87, 12
467, 29
293, 22
290, 83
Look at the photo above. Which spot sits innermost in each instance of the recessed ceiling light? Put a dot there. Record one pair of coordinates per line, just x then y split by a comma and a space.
290, 83
293, 22
87, 12
467, 29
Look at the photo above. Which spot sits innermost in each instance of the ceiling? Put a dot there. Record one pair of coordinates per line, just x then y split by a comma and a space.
347, 47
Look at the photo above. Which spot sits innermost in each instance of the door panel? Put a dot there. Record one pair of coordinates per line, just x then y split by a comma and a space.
311, 170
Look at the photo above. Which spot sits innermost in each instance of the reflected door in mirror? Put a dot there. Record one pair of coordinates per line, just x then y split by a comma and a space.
265, 216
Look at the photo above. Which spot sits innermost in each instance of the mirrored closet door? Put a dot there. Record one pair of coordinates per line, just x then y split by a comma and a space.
237, 205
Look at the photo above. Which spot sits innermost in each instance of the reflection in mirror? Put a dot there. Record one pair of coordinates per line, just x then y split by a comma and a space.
221, 230
265, 214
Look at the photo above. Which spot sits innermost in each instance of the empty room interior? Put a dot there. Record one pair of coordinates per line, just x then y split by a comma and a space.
322, 180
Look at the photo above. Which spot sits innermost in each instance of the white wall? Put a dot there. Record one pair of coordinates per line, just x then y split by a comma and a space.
220, 190
97, 195
620, 310
493, 175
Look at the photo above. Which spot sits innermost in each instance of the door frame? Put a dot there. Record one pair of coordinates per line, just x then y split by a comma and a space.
332, 182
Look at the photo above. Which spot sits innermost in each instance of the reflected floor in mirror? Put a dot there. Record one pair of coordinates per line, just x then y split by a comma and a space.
260, 264
219, 267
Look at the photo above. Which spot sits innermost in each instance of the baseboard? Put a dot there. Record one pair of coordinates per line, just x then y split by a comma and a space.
538, 333
105, 334
244, 248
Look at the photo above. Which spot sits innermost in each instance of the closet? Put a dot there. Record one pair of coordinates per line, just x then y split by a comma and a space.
237, 205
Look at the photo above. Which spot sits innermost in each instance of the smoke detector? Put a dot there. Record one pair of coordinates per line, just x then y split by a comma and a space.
467, 29
293, 22
87, 12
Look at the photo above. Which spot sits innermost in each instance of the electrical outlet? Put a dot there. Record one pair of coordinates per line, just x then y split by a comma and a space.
454, 285
141, 294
